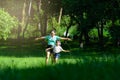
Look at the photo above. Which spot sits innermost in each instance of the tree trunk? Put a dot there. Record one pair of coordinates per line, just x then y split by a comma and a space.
59, 20
101, 37
68, 27
86, 36
38, 2
115, 40
43, 19
100, 34
81, 39
27, 18
23, 14
19, 31
20, 27
44, 23
84, 33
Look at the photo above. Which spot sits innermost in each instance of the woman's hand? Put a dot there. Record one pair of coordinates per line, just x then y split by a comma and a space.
36, 39
69, 39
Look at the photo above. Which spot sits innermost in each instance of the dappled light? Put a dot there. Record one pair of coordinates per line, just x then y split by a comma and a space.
59, 39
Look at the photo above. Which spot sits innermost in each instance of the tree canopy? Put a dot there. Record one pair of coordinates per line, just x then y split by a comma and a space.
84, 19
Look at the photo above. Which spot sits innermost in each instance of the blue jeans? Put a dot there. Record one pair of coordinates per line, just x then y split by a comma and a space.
56, 55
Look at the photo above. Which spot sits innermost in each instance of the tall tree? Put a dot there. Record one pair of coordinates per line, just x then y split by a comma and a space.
43, 15
27, 16
47, 9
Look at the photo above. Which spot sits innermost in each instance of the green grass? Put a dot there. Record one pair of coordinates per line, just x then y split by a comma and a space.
27, 62
82, 68
20, 63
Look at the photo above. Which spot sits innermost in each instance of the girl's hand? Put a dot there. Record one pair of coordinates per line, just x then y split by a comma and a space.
67, 51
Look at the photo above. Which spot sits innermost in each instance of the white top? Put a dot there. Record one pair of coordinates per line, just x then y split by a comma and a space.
57, 49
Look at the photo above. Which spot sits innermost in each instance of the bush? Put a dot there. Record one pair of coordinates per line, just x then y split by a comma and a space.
7, 23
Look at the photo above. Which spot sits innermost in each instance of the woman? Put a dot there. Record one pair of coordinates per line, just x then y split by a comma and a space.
51, 41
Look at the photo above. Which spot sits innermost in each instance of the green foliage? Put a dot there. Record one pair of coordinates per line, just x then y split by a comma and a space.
61, 28
73, 30
65, 23
113, 29
117, 22
115, 32
6, 24
94, 33
30, 32
87, 13
53, 24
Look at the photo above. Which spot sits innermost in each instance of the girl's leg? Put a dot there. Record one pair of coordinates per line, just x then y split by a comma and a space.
47, 56
56, 59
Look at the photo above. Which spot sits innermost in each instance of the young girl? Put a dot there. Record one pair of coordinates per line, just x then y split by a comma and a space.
56, 50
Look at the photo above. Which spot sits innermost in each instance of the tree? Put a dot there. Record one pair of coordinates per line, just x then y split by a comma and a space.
77, 10
27, 16
46, 10
91, 13
113, 11
7, 23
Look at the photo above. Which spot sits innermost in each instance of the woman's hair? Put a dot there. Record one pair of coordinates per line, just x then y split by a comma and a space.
53, 31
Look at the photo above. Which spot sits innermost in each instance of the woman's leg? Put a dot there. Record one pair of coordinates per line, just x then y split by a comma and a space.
47, 57
52, 58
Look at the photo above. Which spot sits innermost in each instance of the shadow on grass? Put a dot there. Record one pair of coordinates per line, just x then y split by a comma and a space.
64, 71
88, 66
21, 49
37, 49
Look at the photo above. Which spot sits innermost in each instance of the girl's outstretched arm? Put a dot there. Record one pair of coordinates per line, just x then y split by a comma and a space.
65, 50
47, 49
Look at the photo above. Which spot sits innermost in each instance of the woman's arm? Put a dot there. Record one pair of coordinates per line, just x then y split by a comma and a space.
63, 38
40, 38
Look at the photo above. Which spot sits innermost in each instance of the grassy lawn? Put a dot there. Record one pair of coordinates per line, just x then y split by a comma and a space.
84, 68
27, 62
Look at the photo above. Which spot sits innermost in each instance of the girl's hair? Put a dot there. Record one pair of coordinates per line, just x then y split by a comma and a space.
58, 41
